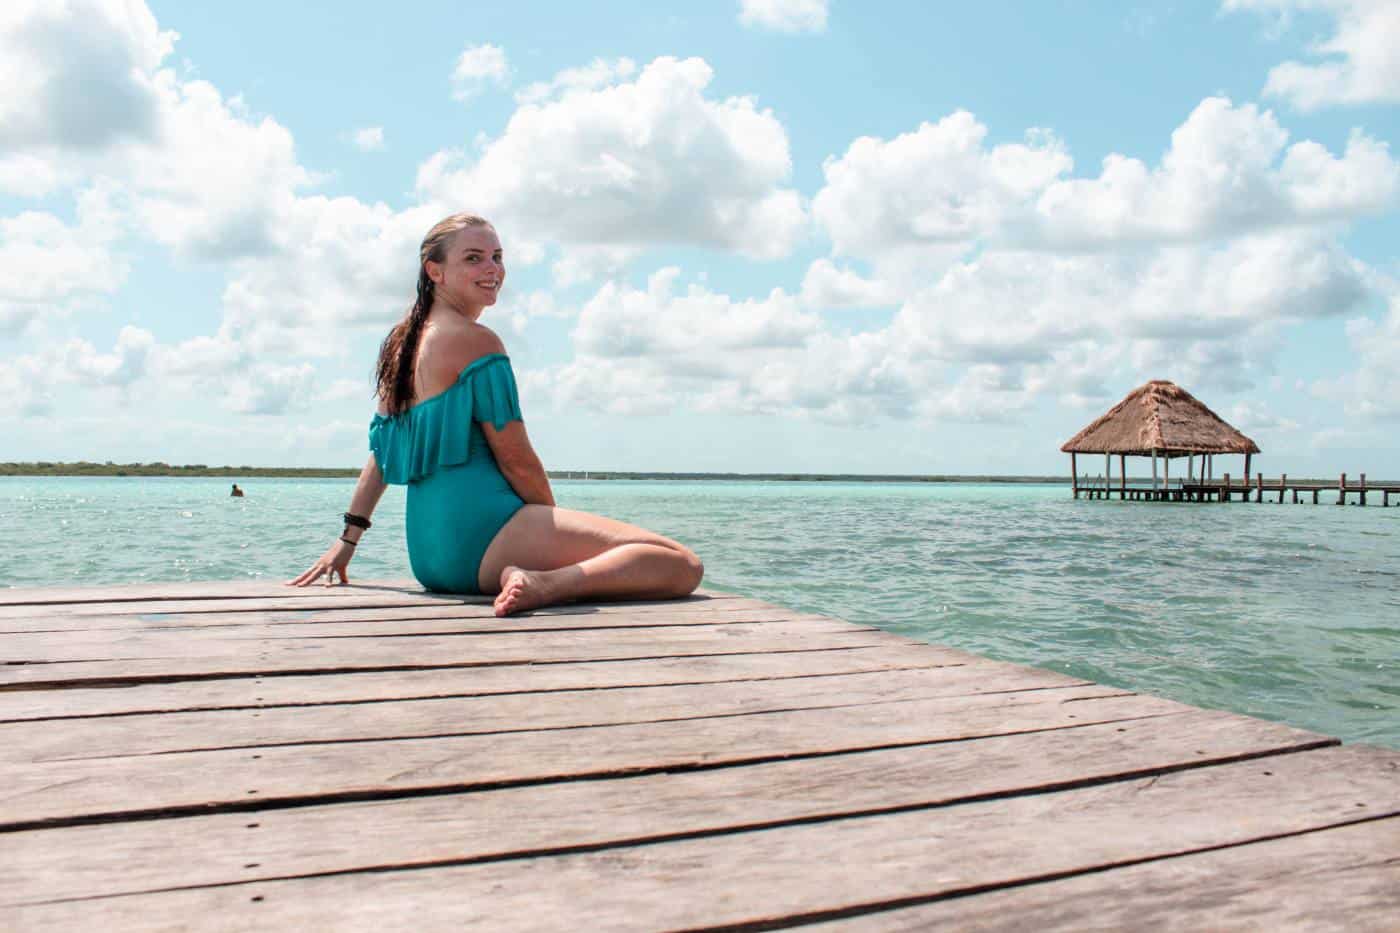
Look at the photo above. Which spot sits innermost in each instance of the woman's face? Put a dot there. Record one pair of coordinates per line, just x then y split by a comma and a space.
473, 270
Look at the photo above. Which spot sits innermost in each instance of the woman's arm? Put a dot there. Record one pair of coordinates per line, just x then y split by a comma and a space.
336, 560
368, 492
519, 463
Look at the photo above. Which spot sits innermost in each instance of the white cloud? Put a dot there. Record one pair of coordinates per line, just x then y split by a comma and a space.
1253, 417
49, 267
924, 196
27, 175
986, 339
28, 381
78, 74
95, 105
270, 389
1360, 61
923, 199
1222, 175
827, 285
597, 74
477, 67
368, 139
1372, 390
648, 351
233, 376
343, 390
1018, 308
785, 15
342, 264
644, 163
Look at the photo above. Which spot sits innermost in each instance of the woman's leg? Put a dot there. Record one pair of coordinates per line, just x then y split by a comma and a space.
547, 555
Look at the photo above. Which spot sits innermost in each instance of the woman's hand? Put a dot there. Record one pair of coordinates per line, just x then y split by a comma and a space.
334, 561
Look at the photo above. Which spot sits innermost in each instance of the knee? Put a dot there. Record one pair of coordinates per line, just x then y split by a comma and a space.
692, 571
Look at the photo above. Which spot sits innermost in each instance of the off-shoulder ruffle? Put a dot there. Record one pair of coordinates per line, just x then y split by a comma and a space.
437, 431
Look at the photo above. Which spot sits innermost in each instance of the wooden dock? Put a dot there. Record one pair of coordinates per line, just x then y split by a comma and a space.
1224, 489
244, 756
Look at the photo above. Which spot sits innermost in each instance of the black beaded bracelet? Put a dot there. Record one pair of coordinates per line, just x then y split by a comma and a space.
348, 541
359, 521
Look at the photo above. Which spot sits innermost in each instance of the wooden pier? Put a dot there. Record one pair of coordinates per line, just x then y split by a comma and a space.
245, 756
1225, 489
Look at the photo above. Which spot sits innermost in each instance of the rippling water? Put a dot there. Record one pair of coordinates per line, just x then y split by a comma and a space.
1286, 612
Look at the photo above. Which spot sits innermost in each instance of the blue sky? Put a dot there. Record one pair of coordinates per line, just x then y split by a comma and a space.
777, 235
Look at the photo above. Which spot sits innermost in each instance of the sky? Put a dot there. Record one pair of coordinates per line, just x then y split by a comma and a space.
759, 236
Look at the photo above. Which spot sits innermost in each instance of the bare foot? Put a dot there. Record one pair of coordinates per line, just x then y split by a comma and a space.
523, 590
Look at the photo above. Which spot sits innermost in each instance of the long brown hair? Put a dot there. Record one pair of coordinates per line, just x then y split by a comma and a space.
394, 373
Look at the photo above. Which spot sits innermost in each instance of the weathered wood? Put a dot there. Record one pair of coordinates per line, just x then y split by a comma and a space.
240, 693
262, 725
107, 788
311, 598
1362, 489
71, 618
1342, 490
198, 589
330, 637
88, 667
803, 871
1074, 473
380, 760
117, 858
1345, 879
206, 590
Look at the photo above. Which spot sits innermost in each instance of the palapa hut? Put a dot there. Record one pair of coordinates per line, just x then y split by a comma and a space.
1158, 419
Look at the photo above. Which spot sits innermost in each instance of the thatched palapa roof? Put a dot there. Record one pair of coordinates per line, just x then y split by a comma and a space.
1164, 417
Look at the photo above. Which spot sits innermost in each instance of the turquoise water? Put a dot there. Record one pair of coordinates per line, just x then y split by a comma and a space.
1286, 612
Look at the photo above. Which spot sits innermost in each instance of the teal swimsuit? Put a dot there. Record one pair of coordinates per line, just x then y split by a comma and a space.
457, 497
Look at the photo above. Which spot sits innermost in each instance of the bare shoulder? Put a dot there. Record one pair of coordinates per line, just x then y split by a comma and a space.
444, 353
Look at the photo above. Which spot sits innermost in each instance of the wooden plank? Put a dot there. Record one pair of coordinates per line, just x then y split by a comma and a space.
338, 597
306, 655
164, 591
804, 871
240, 693
227, 589
130, 857
1344, 879
71, 618
156, 643
264, 726
104, 788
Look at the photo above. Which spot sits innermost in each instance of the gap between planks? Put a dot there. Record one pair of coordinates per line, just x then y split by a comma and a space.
785, 874
488, 825
71, 792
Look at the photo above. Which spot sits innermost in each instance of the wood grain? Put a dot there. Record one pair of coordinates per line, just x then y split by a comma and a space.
104, 787
253, 690
259, 725
126, 857
778, 874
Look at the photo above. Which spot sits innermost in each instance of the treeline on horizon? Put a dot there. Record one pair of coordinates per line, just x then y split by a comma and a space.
161, 468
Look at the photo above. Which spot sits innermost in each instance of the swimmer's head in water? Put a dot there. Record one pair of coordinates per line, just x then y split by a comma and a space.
463, 280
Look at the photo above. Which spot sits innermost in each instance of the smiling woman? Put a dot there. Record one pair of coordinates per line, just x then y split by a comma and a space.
481, 516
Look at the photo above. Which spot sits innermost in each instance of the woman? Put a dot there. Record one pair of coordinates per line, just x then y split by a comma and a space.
481, 516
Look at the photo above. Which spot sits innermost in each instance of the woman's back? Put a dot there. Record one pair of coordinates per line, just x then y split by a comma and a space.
445, 349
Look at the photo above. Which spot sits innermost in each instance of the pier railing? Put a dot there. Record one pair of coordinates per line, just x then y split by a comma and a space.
1242, 489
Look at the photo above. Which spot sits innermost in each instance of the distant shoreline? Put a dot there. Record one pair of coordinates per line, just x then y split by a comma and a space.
88, 468
157, 469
